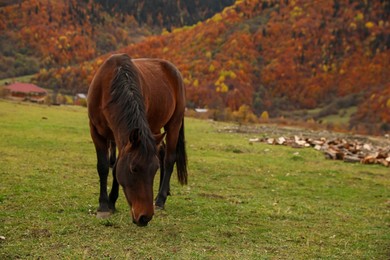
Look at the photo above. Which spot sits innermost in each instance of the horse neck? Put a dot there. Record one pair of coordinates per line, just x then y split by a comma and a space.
126, 105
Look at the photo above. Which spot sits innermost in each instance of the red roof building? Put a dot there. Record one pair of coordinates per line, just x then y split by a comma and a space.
26, 91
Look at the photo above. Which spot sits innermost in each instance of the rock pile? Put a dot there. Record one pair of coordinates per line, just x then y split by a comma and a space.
336, 148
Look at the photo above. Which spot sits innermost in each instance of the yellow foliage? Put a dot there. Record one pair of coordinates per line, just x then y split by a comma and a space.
297, 11
164, 32
99, 61
245, 115
211, 68
165, 49
68, 99
353, 25
196, 83
217, 17
224, 88
186, 81
177, 30
310, 121
369, 25
227, 73
220, 80
264, 116
359, 17
62, 38
229, 9
388, 103
208, 54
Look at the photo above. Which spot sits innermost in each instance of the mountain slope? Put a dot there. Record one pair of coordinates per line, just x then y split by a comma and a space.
166, 14
275, 56
44, 34
282, 57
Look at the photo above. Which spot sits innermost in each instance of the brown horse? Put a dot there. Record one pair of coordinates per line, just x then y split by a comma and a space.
129, 102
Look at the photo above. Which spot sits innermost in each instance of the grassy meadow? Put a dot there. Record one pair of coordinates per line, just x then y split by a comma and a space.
242, 202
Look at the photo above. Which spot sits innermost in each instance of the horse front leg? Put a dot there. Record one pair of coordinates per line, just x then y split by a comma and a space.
101, 146
103, 210
115, 186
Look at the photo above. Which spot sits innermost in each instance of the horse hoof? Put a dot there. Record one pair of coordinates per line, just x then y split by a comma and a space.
103, 214
156, 207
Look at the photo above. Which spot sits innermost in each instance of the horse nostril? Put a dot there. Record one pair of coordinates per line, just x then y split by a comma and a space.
143, 220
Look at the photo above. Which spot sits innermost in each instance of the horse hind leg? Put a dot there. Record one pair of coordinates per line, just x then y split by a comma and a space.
169, 162
165, 177
161, 157
115, 186
112, 198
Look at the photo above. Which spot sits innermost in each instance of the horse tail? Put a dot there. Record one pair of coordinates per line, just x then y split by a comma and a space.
181, 157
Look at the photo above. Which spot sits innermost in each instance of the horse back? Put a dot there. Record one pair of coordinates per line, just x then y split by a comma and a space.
163, 91
161, 85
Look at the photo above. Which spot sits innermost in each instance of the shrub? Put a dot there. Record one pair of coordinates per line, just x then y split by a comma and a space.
244, 115
264, 116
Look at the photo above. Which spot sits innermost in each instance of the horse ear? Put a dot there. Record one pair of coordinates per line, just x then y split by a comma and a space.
159, 138
134, 137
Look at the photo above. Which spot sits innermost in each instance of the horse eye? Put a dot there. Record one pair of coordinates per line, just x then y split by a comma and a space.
133, 169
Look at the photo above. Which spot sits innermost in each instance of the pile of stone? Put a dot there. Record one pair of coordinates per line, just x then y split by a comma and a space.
337, 148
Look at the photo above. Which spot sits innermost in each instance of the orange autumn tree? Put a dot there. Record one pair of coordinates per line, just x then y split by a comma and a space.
280, 56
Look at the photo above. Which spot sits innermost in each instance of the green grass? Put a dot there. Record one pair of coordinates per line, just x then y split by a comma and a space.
342, 118
26, 79
243, 201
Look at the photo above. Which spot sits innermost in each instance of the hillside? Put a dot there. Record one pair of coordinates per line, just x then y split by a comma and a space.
274, 56
296, 55
42, 34
46, 34
166, 14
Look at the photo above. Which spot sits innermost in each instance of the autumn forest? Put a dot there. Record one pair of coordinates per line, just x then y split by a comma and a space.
281, 57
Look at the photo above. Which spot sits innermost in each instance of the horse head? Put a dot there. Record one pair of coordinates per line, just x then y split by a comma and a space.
135, 172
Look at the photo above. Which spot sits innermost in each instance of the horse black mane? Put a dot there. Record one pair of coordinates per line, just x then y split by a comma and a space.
128, 103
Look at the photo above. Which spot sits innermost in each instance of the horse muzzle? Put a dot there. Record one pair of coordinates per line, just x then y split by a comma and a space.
141, 220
